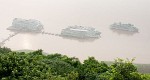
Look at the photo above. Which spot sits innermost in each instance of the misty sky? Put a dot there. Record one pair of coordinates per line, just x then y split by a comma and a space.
100, 14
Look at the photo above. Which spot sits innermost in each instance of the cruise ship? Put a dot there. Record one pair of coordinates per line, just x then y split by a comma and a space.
80, 32
124, 27
23, 25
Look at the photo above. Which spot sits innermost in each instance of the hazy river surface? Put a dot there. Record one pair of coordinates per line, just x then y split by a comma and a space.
58, 14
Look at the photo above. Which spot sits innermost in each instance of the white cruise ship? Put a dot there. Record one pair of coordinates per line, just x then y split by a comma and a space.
23, 25
80, 32
125, 27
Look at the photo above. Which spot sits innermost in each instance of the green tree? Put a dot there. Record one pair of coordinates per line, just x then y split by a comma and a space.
36, 66
91, 68
4, 50
121, 70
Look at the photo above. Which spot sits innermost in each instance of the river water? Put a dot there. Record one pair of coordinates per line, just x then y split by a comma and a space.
100, 14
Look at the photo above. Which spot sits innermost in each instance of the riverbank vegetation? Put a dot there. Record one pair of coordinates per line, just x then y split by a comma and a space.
37, 66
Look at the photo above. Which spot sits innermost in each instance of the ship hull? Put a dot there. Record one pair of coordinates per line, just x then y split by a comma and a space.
23, 30
78, 35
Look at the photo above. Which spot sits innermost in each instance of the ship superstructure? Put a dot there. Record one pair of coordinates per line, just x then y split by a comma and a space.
80, 32
125, 27
30, 25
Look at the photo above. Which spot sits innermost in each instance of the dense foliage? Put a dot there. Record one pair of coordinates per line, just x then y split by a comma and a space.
36, 66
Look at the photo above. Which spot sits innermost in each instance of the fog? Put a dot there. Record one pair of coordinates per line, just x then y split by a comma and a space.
100, 14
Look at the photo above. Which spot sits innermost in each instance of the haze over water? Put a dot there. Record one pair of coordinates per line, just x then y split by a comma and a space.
100, 14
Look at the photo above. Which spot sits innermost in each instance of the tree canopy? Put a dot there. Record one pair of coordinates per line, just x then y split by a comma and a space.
37, 66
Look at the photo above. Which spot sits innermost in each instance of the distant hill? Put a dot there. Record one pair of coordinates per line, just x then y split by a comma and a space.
143, 68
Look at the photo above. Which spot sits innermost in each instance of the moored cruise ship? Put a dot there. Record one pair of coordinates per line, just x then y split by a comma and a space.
124, 27
23, 25
80, 32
